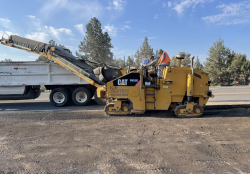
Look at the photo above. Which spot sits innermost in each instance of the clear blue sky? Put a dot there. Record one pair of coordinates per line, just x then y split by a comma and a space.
175, 25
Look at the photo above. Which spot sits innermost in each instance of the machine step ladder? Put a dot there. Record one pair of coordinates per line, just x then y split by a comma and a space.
150, 97
150, 94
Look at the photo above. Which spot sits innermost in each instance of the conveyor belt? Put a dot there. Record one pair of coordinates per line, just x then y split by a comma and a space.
78, 65
60, 55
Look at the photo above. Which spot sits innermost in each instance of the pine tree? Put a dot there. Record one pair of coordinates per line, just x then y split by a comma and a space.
52, 42
6, 60
235, 67
43, 59
240, 69
218, 62
96, 45
115, 62
197, 64
120, 63
129, 61
133, 60
137, 59
157, 56
186, 61
245, 68
106, 53
174, 61
124, 61
62, 46
146, 50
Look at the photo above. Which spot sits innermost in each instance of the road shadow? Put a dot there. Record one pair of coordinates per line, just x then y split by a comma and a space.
47, 111
232, 112
233, 101
45, 106
208, 113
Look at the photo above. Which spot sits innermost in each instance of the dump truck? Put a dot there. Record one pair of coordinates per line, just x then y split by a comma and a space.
183, 90
23, 79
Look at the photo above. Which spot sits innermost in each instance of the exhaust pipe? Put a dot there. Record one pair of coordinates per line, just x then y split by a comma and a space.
190, 82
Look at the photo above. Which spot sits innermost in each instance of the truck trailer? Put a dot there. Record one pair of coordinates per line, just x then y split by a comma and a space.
22, 80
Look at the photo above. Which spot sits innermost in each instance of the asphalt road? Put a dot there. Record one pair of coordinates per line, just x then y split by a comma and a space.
232, 95
42, 104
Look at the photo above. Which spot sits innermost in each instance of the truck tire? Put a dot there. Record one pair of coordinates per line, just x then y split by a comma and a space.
81, 96
59, 97
100, 101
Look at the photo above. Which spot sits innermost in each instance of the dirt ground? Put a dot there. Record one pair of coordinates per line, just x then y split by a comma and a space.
156, 142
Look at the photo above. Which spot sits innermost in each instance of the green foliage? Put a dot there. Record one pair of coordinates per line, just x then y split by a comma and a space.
114, 63
129, 61
133, 60
245, 71
240, 69
43, 59
96, 45
157, 55
235, 68
174, 61
52, 42
146, 50
197, 64
218, 62
120, 63
226, 67
137, 58
6, 60
186, 61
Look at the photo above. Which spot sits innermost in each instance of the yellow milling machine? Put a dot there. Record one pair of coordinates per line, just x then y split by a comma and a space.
183, 90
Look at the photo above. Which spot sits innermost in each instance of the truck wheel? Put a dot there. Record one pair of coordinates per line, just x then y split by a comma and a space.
100, 101
59, 97
81, 96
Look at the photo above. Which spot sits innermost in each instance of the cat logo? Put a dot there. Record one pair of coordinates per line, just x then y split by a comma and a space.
122, 82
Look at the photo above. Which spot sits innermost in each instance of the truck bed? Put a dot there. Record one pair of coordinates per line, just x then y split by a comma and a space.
36, 73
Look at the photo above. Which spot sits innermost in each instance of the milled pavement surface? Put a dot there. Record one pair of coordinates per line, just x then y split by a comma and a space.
85, 140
